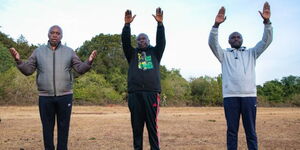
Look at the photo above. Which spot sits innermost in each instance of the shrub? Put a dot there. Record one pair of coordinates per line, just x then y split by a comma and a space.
94, 88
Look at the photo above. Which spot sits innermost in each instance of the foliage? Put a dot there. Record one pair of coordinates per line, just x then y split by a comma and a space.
21, 45
6, 61
17, 89
110, 61
93, 87
206, 90
273, 91
291, 85
175, 89
106, 83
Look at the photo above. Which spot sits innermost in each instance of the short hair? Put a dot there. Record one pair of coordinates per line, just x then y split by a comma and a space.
142, 34
235, 33
56, 26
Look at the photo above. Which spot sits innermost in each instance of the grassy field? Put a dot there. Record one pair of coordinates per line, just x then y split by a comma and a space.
181, 128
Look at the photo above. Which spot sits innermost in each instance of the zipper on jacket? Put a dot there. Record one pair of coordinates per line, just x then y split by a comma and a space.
54, 87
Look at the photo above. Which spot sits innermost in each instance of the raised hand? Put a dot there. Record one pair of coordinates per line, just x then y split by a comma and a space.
92, 56
220, 18
14, 53
159, 15
266, 14
128, 16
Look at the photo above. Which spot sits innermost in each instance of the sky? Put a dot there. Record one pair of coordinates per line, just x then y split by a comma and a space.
187, 26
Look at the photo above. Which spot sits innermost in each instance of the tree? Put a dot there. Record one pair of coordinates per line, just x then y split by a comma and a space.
273, 91
22, 40
291, 85
206, 90
21, 45
175, 89
110, 62
6, 61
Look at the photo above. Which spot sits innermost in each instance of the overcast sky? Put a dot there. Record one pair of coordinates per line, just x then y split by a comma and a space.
187, 24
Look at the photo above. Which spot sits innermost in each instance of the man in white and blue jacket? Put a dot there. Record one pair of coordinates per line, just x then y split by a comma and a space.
238, 78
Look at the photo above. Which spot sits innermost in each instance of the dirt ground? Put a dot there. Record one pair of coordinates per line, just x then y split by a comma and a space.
181, 128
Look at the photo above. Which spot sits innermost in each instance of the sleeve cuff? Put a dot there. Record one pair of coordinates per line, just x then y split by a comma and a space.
19, 62
89, 63
268, 25
214, 30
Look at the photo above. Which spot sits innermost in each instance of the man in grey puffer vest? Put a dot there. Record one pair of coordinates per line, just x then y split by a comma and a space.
54, 63
238, 78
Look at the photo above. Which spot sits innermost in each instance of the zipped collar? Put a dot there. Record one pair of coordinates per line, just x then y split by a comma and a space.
50, 47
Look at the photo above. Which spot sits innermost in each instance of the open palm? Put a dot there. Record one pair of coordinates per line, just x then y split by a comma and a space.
266, 14
128, 16
220, 18
159, 15
14, 53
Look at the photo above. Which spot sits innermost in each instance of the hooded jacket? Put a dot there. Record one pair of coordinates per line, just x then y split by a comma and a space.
238, 65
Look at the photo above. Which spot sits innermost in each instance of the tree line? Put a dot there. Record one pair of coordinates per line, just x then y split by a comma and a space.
106, 83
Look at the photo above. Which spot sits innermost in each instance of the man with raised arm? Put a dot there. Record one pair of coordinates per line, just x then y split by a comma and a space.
144, 80
238, 78
54, 63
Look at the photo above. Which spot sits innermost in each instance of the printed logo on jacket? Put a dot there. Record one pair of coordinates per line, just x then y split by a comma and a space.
144, 61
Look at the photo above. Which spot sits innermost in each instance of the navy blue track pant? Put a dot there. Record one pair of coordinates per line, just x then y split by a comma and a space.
144, 107
234, 107
59, 107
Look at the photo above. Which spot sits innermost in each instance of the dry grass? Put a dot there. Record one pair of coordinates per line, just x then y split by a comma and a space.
181, 128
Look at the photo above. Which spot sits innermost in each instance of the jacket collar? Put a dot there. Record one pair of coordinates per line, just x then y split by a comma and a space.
243, 48
145, 49
50, 47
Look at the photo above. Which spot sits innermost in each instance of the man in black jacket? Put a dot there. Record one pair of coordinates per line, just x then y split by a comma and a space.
144, 80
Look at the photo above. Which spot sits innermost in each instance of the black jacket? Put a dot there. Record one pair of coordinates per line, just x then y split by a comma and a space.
143, 72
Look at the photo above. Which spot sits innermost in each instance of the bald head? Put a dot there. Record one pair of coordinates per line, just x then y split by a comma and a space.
55, 35
143, 40
235, 40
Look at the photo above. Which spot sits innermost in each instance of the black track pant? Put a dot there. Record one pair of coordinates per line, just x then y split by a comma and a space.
144, 107
59, 107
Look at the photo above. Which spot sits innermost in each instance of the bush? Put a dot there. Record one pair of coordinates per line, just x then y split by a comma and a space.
206, 91
17, 89
6, 60
94, 88
295, 100
175, 89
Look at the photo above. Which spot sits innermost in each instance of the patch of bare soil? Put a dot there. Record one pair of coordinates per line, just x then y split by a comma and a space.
181, 128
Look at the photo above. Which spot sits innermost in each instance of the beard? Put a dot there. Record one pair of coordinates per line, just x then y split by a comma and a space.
142, 46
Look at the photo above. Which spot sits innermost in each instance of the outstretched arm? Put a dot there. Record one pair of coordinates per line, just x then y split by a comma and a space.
126, 35
213, 36
160, 33
267, 38
27, 68
83, 67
